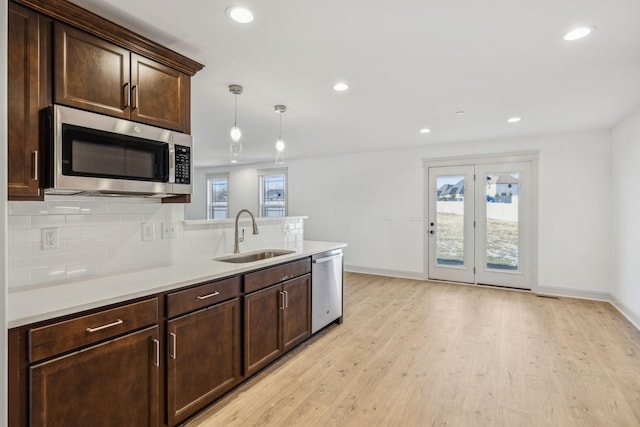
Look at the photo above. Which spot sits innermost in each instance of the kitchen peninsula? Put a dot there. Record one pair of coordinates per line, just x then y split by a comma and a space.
193, 329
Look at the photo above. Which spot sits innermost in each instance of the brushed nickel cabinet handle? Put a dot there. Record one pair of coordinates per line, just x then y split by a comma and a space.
108, 325
173, 345
286, 299
136, 99
281, 300
127, 95
157, 349
213, 294
35, 165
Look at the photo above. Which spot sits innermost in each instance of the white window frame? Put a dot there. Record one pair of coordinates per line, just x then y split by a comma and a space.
210, 203
262, 204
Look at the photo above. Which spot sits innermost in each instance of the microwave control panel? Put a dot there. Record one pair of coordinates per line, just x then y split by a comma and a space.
183, 165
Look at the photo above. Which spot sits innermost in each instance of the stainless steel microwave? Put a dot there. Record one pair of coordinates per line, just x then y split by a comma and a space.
92, 154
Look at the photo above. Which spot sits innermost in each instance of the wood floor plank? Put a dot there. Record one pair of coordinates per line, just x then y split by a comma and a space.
416, 353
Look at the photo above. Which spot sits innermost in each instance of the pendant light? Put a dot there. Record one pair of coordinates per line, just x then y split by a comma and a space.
236, 146
280, 142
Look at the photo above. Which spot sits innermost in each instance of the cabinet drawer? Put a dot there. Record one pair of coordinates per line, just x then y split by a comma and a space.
57, 338
202, 296
269, 276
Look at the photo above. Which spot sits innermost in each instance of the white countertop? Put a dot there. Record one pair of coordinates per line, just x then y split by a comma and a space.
37, 303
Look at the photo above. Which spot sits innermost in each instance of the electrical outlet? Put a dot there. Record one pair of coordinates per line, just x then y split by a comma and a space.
50, 239
148, 231
170, 230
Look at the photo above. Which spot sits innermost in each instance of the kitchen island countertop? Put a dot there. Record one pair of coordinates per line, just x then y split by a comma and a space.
37, 303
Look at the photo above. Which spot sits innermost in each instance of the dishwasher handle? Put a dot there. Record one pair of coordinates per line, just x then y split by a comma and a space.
327, 259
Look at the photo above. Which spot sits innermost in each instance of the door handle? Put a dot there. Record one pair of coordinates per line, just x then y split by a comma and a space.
35, 165
327, 259
173, 345
157, 350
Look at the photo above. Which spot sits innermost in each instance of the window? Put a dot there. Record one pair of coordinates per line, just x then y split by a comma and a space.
217, 196
273, 193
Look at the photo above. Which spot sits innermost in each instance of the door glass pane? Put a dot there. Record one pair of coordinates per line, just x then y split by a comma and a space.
450, 220
503, 234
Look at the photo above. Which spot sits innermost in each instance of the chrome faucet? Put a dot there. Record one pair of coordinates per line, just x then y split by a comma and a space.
236, 249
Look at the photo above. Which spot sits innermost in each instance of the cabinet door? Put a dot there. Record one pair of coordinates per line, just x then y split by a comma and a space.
261, 327
203, 357
90, 73
110, 384
296, 317
158, 94
29, 81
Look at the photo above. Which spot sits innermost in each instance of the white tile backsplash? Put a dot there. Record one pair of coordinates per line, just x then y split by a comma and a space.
100, 236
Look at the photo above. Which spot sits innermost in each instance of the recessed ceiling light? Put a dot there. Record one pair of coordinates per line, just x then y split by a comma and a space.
241, 15
340, 86
514, 119
460, 113
579, 33
234, 161
425, 130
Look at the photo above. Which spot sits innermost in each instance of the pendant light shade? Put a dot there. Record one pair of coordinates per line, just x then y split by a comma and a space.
235, 133
280, 142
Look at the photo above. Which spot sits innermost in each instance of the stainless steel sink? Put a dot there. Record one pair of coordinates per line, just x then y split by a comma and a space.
254, 256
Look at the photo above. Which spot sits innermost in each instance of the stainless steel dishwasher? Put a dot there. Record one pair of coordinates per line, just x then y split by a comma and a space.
326, 289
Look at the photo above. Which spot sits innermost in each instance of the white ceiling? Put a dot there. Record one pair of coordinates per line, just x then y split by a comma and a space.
410, 64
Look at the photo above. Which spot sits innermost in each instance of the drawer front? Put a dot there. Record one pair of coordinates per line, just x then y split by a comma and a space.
202, 296
57, 338
269, 276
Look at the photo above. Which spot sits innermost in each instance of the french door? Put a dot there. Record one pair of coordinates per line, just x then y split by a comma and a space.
481, 222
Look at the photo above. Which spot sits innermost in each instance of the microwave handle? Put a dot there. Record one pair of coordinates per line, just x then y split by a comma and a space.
172, 163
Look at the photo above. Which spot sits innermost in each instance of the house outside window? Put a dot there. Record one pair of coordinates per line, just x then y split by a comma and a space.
273, 193
217, 196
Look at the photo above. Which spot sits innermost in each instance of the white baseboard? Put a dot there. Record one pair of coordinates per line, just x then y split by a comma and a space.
572, 293
631, 316
383, 272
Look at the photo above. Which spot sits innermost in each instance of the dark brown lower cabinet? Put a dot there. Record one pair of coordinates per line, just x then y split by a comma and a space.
110, 384
276, 319
296, 318
110, 367
261, 328
204, 358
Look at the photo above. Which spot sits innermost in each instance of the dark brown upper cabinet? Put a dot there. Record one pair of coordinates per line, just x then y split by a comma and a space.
29, 90
96, 75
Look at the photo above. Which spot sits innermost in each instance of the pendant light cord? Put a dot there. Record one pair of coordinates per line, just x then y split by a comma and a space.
235, 112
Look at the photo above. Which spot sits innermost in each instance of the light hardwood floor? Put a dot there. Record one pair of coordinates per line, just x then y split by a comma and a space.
414, 353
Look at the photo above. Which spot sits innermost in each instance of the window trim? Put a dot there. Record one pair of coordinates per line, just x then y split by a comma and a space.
208, 178
269, 172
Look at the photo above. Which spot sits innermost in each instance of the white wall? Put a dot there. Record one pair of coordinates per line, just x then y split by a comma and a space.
3, 213
243, 189
625, 227
371, 201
